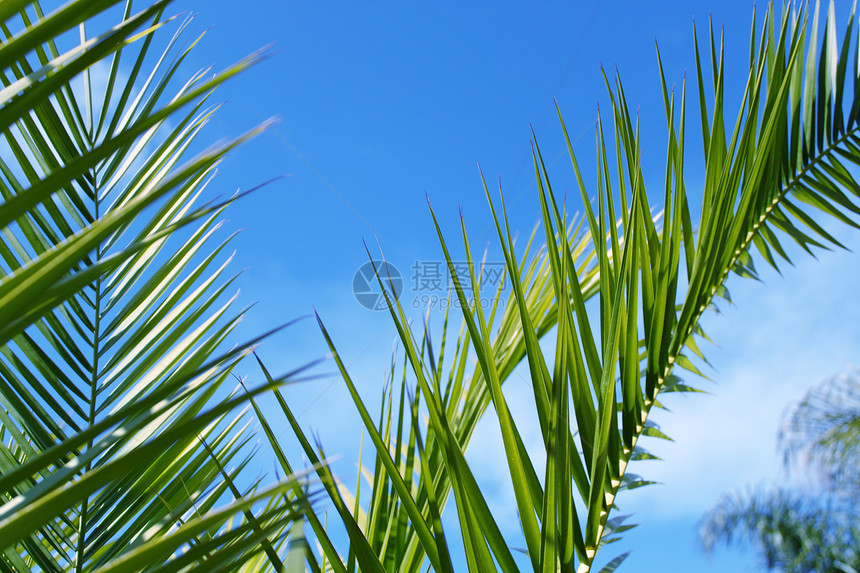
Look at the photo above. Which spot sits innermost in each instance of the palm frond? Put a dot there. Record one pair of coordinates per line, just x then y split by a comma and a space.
122, 447
774, 174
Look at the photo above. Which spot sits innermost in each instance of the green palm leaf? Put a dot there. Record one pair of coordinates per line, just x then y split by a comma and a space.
776, 173
122, 448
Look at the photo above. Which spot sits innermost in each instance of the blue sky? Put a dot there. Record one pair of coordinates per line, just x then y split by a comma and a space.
383, 104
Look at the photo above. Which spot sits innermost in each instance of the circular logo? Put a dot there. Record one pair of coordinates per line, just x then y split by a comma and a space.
365, 284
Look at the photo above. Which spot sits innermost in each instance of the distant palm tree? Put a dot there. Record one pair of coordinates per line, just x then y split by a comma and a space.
120, 445
823, 432
793, 531
805, 529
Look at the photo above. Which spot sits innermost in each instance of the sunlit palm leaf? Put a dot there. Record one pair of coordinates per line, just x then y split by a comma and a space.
119, 439
778, 172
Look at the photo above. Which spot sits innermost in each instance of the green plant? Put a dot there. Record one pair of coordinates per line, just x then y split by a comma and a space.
813, 529
823, 430
771, 175
121, 448
793, 531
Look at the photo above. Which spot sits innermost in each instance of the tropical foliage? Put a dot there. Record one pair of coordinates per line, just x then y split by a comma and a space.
119, 441
795, 532
823, 432
780, 172
813, 529
120, 445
